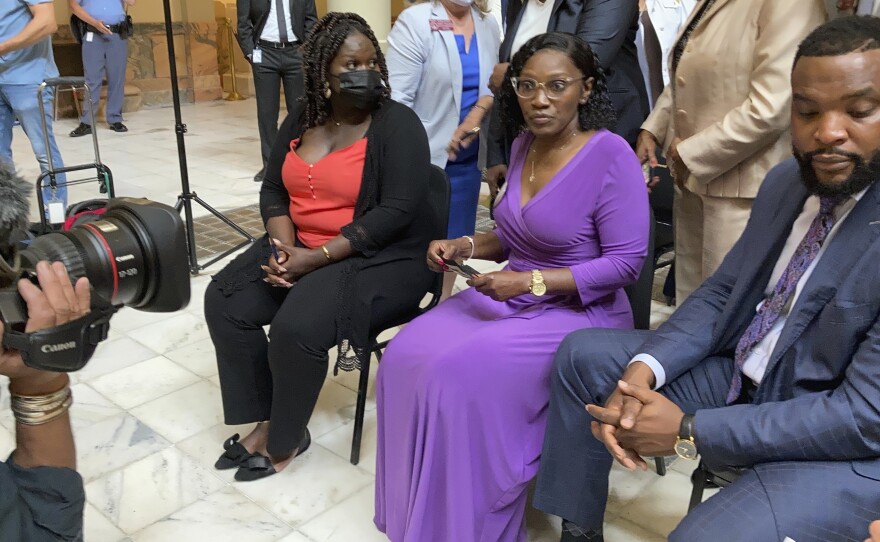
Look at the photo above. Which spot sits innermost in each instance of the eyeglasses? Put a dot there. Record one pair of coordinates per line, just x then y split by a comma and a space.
527, 88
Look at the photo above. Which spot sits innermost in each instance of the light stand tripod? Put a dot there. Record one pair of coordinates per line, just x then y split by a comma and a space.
186, 197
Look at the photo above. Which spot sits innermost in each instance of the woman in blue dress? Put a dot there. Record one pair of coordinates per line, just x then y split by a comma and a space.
440, 56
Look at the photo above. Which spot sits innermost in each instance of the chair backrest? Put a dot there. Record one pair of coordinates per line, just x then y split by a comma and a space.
661, 197
641, 291
438, 198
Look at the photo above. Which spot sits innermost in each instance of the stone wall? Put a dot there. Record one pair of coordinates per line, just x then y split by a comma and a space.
195, 45
195, 48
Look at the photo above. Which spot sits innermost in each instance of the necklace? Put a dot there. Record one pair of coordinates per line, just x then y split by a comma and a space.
535, 150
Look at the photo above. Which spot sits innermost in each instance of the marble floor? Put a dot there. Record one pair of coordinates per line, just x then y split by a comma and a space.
147, 414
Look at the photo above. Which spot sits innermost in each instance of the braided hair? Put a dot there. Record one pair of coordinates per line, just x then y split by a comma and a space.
596, 113
319, 50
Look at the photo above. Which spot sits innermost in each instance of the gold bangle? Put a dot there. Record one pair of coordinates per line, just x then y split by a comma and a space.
326, 253
40, 409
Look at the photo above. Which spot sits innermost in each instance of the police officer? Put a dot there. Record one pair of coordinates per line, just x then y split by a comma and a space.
104, 50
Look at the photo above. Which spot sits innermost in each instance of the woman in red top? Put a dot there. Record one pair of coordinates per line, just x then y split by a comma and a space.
344, 198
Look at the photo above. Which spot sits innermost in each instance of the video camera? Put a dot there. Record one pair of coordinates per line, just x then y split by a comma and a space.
134, 255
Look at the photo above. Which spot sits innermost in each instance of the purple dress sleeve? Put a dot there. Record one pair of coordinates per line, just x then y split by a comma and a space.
621, 217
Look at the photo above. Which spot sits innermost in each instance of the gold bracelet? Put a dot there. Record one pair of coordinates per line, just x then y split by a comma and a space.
40, 409
326, 252
478, 106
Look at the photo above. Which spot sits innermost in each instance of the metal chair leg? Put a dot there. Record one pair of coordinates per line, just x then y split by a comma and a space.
699, 478
660, 465
361, 406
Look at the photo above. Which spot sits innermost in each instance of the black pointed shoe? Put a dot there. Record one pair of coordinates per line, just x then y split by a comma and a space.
234, 456
258, 466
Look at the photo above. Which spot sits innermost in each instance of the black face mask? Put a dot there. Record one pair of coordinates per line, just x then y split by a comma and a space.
363, 88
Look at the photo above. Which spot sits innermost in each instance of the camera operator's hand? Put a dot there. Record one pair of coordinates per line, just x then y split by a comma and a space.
57, 303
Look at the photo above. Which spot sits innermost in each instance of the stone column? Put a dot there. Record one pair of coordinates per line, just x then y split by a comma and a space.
376, 12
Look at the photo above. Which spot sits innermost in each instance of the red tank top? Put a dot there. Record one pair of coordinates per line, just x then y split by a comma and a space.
323, 194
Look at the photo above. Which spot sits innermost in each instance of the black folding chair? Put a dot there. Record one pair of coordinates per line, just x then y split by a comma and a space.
703, 477
438, 194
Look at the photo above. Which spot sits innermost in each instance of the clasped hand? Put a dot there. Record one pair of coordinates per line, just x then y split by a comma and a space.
292, 264
636, 422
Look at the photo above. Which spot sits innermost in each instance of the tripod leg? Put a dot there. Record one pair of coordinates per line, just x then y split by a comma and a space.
222, 217
183, 203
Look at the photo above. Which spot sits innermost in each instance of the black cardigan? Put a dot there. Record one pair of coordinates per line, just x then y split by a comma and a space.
391, 218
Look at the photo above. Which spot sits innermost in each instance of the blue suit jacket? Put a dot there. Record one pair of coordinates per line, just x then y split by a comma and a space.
819, 399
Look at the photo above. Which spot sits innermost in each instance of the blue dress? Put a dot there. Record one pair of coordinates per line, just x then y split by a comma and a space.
464, 175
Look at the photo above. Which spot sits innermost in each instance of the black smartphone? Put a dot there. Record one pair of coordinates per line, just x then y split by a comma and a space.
470, 133
465, 271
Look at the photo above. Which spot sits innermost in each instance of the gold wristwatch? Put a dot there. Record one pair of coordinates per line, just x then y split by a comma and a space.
537, 287
685, 446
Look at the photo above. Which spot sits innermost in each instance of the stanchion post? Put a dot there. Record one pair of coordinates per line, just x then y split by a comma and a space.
234, 95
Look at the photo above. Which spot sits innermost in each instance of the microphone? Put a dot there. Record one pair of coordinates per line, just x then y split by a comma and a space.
14, 207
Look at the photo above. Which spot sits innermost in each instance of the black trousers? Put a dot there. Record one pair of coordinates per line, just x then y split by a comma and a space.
276, 67
278, 378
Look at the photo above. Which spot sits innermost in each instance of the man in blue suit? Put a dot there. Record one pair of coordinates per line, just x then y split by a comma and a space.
773, 364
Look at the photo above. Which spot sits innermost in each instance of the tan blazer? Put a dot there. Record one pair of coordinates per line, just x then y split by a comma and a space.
730, 99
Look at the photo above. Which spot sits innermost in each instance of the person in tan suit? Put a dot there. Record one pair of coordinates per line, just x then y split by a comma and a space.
723, 120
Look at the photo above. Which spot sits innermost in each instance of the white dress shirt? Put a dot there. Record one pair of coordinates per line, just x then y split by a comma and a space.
756, 362
866, 7
270, 30
497, 10
667, 17
534, 21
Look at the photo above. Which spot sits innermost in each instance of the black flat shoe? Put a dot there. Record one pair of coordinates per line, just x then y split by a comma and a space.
81, 130
258, 466
234, 456
118, 127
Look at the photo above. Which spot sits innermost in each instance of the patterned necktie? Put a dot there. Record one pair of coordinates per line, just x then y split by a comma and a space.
774, 306
282, 21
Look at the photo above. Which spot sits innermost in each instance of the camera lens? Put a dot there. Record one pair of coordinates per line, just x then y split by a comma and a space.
135, 255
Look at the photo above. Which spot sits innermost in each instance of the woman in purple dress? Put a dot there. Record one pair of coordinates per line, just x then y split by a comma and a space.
462, 391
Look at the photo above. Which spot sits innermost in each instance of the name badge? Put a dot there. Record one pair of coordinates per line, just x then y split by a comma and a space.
90, 36
257, 56
438, 25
